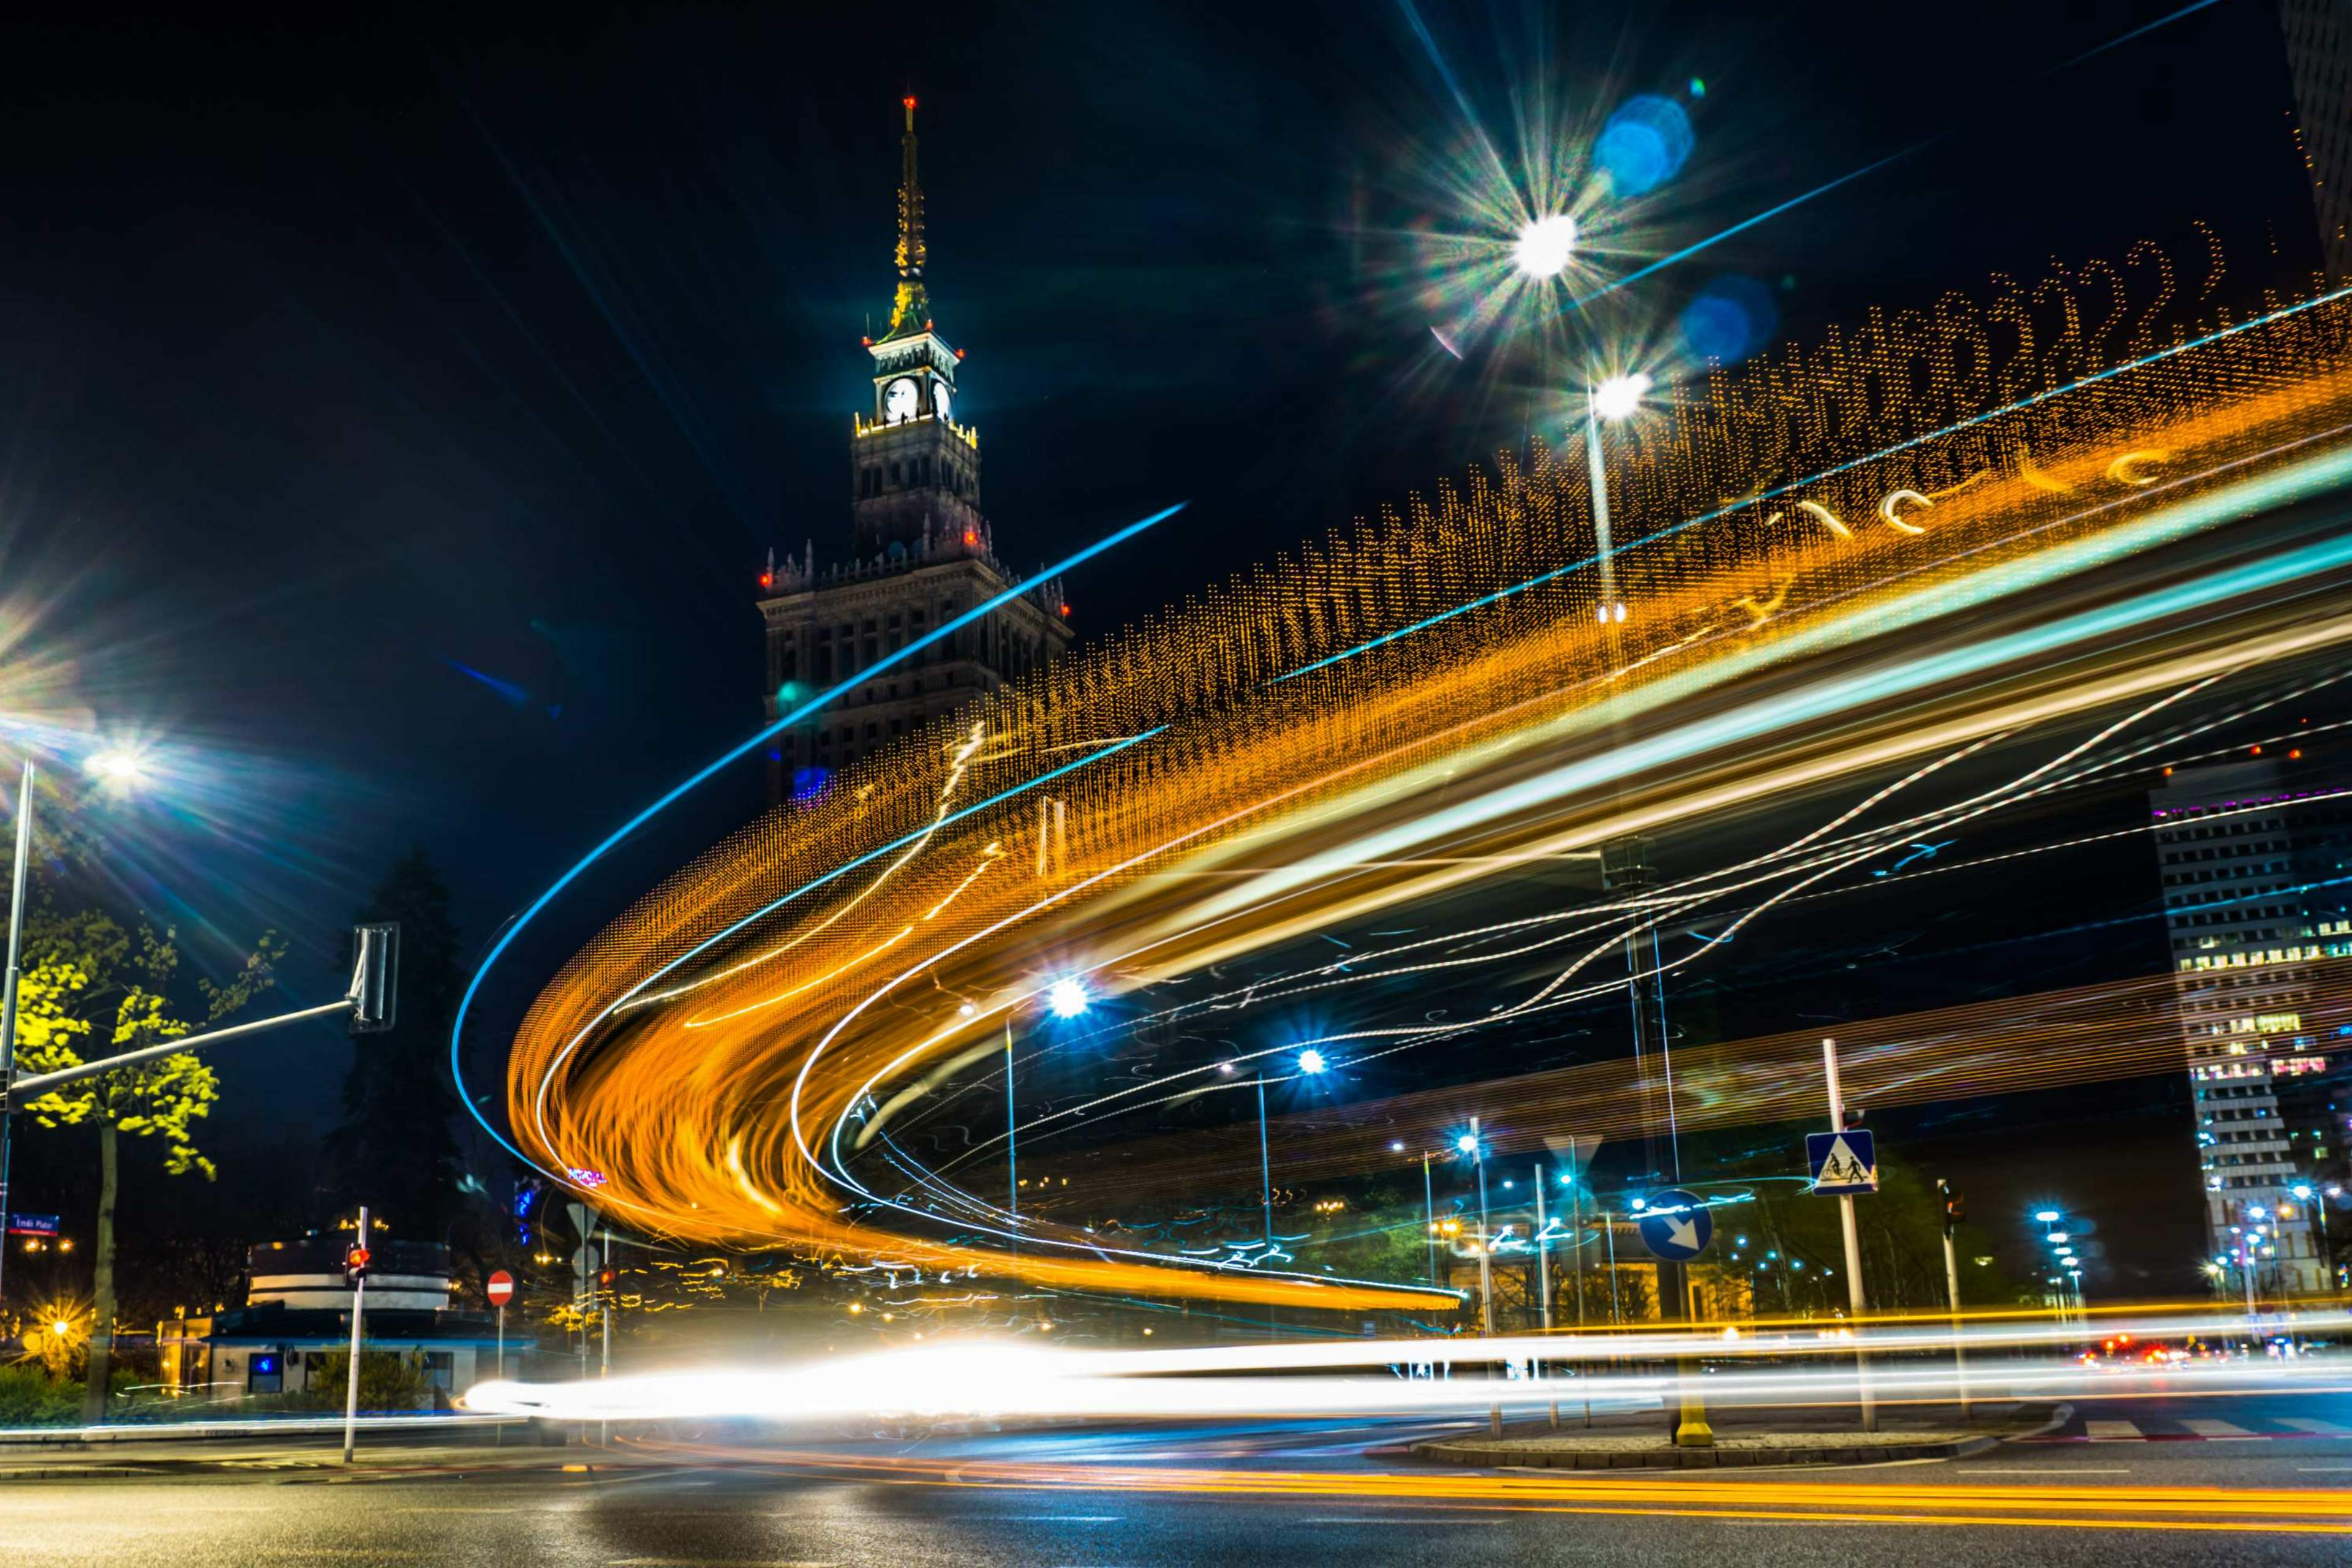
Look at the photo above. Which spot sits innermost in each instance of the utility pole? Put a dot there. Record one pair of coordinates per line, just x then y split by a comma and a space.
1485, 1262
1576, 1227
356, 1265
1429, 1207
8, 1003
1852, 1230
611, 1290
1012, 1151
1543, 1251
1955, 1209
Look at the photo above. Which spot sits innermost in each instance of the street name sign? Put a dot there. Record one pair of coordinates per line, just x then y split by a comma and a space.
1843, 1164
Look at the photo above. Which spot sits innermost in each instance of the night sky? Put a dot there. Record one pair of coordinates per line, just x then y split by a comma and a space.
394, 412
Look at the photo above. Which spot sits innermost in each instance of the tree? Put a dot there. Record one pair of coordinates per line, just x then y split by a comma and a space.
91, 984
395, 1150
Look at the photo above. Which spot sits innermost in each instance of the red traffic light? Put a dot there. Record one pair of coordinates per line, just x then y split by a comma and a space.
355, 1261
604, 1278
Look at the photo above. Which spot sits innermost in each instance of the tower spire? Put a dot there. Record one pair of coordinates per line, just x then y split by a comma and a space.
910, 309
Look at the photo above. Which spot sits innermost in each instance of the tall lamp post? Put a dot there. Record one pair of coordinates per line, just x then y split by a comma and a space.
116, 769
1064, 999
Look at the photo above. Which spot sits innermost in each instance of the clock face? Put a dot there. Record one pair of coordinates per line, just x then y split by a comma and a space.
899, 401
940, 399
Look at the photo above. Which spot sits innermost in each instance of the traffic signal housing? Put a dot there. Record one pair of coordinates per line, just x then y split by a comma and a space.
376, 977
1956, 1207
355, 1262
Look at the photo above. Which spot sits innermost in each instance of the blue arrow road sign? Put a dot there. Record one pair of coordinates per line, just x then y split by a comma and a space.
1843, 1162
1676, 1227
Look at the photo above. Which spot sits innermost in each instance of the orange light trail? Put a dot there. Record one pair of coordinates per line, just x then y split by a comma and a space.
1343, 733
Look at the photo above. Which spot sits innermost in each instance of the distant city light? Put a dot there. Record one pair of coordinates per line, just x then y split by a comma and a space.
1311, 1061
2048, 1216
2301, 1192
1066, 999
1396, 1145
1619, 396
1546, 245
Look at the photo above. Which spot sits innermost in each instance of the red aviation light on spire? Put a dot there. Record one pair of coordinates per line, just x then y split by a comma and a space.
908, 100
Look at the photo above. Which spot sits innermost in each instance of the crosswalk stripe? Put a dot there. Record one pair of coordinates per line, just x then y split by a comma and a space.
2217, 1428
2113, 1431
2318, 1429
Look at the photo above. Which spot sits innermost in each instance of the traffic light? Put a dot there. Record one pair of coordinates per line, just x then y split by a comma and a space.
376, 977
355, 1263
1956, 1207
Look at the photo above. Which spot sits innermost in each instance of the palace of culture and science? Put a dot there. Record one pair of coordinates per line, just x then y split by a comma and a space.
922, 554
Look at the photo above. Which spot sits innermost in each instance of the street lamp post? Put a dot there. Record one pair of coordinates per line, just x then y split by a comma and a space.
8, 1000
1429, 1208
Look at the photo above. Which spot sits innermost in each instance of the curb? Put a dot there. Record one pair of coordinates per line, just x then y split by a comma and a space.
1485, 1456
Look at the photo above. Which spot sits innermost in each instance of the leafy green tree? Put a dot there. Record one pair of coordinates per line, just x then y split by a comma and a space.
91, 988
395, 1150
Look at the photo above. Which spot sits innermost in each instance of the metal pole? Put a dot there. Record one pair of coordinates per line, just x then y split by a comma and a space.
1543, 1266
605, 1364
1952, 1285
351, 1384
1012, 1153
8, 1002
1576, 1227
1485, 1262
1599, 481
1265, 1190
1543, 1253
1609, 1229
1265, 1165
502, 1342
1429, 1207
1852, 1231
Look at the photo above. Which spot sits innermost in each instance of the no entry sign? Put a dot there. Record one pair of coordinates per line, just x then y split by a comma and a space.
499, 1287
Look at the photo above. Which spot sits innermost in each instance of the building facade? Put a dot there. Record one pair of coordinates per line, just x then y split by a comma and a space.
2319, 60
922, 553
2254, 903
297, 1314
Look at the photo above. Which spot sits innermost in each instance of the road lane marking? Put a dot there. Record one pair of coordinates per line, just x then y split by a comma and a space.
2324, 1469
2114, 1431
2225, 1431
2043, 1470
2317, 1428
1388, 1519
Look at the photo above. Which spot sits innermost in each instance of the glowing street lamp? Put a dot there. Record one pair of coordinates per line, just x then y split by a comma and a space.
1546, 247
1068, 998
118, 768
1310, 1061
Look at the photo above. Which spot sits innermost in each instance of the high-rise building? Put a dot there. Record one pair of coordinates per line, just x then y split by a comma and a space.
2254, 903
2319, 58
921, 554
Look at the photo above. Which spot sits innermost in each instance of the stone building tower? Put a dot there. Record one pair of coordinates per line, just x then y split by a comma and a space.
921, 554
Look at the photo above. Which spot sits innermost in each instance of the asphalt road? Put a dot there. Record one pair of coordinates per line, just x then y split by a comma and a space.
1309, 1493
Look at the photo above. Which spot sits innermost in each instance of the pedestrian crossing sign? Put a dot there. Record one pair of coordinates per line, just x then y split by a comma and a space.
1843, 1162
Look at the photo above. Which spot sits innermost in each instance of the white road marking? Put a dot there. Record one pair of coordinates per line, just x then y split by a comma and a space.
2224, 1430
2114, 1431
2318, 1429
2043, 1470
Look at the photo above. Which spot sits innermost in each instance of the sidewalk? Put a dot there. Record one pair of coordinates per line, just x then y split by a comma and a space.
380, 1455
1744, 1436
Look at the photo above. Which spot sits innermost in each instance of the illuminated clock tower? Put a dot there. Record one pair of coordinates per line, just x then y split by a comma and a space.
922, 553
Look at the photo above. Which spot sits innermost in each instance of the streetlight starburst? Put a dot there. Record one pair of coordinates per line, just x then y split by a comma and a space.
1546, 247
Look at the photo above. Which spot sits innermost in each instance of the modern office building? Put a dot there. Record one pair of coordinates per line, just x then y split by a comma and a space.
2319, 60
2254, 908
921, 554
